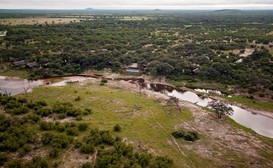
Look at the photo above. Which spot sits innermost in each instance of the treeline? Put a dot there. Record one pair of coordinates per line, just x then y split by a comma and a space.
180, 46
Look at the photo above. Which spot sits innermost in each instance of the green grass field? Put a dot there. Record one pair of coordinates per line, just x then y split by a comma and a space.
141, 119
265, 105
117, 106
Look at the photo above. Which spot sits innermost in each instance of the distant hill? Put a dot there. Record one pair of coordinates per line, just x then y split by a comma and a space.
231, 11
89, 9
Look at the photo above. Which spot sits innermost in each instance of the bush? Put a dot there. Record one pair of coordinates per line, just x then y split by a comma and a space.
34, 117
87, 148
117, 128
72, 131
87, 111
20, 110
38, 162
46, 126
178, 134
60, 128
54, 153
3, 158
188, 136
15, 137
36, 105
103, 82
83, 126
16, 164
24, 150
57, 141
87, 165
44, 112
78, 98
41, 103
12, 104
22, 100
161, 162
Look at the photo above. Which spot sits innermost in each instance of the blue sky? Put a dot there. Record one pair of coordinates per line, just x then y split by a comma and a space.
137, 4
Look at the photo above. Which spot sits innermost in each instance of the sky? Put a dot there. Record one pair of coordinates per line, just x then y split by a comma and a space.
136, 4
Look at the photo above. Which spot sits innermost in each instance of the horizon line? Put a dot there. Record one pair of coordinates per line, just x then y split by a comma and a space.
130, 7
87, 9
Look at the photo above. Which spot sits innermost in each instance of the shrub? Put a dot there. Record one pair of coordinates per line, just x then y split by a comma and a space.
54, 153
62, 107
87, 148
24, 150
41, 103
12, 104
83, 126
20, 110
3, 158
188, 136
16, 164
35, 105
78, 98
34, 117
22, 100
38, 162
161, 162
103, 82
62, 116
87, 165
60, 128
117, 128
46, 126
143, 159
178, 134
72, 131
44, 112
87, 111
57, 141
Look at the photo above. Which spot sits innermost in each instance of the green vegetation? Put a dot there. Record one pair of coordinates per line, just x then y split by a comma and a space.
98, 125
140, 126
220, 108
197, 46
187, 135
18, 137
117, 128
258, 104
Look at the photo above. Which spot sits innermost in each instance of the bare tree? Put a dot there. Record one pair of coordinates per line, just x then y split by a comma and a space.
220, 108
5, 91
174, 101
26, 86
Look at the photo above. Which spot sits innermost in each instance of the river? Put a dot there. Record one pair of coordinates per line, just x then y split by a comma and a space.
260, 124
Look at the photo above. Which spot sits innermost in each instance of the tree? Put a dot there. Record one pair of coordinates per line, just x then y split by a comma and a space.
174, 101
220, 108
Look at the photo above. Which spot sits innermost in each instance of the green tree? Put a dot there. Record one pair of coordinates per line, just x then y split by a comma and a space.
220, 108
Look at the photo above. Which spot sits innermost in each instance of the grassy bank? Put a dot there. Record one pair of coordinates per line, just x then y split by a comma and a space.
265, 105
142, 119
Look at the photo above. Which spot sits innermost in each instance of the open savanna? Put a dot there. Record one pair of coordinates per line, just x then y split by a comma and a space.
37, 20
149, 122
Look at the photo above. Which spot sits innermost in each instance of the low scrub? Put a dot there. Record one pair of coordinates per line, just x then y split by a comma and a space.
186, 135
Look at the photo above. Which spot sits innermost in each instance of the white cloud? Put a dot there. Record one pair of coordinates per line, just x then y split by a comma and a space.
80, 4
